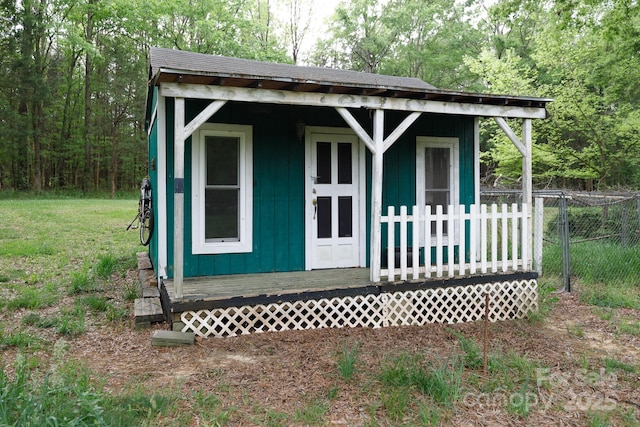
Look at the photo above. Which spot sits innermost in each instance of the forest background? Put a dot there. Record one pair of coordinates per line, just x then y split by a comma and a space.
75, 74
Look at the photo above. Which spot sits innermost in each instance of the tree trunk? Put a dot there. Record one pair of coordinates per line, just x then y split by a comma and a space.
86, 178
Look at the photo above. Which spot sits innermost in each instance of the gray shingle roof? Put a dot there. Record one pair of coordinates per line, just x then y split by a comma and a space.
221, 66
169, 65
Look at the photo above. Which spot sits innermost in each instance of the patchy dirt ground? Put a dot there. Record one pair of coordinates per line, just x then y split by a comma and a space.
589, 360
257, 377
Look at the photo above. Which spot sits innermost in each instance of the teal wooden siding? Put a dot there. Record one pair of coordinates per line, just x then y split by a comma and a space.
279, 178
399, 169
278, 195
153, 174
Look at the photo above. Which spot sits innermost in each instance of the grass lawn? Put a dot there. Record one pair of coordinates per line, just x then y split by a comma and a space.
71, 357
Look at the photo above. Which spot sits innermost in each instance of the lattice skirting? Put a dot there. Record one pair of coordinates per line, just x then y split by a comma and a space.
507, 300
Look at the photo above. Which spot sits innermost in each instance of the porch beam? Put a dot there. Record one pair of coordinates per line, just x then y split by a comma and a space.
376, 196
511, 134
270, 96
178, 197
201, 118
357, 128
401, 129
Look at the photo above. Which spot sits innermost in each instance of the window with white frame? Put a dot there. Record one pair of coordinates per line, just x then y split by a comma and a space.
222, 196
437, 171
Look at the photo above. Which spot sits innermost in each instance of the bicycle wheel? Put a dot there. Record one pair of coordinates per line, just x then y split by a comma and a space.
146, 225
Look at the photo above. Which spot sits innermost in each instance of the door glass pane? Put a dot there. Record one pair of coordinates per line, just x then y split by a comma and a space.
221, 214
323, 216
222, 160
345, 219
323, 166
344, 163
437, 168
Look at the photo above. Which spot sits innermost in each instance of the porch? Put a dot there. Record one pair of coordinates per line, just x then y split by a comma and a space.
490, 261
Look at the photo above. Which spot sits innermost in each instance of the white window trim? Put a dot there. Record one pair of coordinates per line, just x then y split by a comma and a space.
199, 244
453, 144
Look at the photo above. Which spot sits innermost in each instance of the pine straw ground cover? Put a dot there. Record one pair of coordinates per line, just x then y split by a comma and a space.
579, 365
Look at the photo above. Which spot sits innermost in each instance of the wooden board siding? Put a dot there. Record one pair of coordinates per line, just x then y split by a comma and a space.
399, 182
153, 174
278, 192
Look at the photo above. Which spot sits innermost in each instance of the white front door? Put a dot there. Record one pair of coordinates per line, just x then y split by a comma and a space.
332, 200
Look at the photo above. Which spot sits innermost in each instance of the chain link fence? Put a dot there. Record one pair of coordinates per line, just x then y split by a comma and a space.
587, 238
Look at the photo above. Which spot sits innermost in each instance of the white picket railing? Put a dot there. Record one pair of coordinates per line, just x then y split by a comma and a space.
485, 241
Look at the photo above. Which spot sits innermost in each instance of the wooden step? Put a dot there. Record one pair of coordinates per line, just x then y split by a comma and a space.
172, 338
147, 310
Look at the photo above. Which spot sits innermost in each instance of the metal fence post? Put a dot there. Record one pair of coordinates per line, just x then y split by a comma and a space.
563, 233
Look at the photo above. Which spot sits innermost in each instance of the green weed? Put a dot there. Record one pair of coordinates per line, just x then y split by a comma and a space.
519, 402
95, 303
19, 339
33, 297
81, 282
347, 360
546, 301
70, 323
473, 358
429, 415
395, 401
311, 414
613, 364
397, 372
106, 266
629, 327
131, 292
443, 383
598, 419
575, 331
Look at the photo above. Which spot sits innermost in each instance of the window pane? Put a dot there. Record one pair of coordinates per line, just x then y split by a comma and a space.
222, 160
323, 166
344, 163
221, 214
345, 219
435, 198
324, 217
437, 168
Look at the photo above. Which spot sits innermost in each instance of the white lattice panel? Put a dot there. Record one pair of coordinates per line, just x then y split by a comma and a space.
507, 300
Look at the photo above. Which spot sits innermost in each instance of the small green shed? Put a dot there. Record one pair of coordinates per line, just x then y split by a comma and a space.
287, 192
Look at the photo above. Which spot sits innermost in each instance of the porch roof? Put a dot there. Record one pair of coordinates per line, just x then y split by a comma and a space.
174, 66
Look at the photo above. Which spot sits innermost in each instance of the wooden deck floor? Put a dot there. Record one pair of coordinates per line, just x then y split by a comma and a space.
264, 287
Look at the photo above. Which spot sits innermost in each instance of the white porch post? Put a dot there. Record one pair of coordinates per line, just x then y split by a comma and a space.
161, 192
178, 197
376, 195
527, 186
